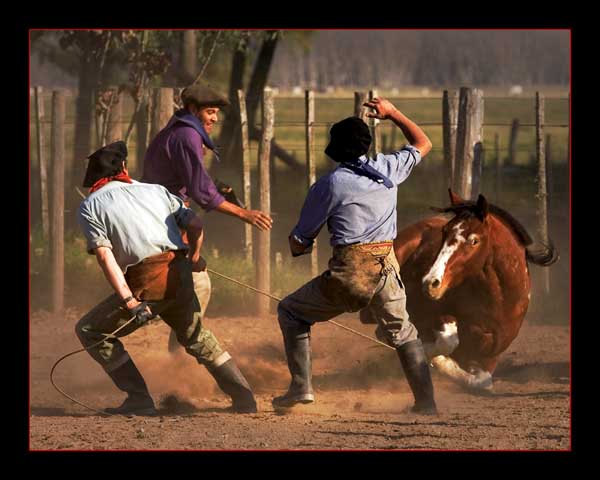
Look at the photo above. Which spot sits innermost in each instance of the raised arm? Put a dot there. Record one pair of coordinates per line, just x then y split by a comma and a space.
385, 110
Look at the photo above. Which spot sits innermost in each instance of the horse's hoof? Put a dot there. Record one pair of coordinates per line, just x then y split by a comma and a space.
481, 381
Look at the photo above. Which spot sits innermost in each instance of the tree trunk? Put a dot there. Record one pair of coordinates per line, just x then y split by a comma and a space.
258, 81
260, 75
257, 84
189, 57
229, 139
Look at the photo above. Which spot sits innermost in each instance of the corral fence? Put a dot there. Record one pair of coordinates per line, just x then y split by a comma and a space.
56, 174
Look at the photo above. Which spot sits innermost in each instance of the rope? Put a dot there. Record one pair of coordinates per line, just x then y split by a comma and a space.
79, 351
273, 297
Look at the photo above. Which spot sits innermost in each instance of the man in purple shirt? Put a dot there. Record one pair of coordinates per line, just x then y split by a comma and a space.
175, 159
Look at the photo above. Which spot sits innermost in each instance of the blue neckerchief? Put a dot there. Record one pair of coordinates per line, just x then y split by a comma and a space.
366, 170
194, 122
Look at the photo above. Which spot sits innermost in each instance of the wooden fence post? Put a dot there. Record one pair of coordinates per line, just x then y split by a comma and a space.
449, 121
309, 102
375, 129
393, 145
57, 199
163, 109
542, 194
478, 159
359, 110
469, 140
498, 162
512, 142
263, 264
142, 127
549, 175
246, 172
39, 119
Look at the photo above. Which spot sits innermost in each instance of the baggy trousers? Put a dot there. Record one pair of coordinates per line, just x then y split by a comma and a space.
350, 285
182, 314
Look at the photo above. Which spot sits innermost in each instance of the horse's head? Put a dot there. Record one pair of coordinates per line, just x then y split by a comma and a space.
464, 249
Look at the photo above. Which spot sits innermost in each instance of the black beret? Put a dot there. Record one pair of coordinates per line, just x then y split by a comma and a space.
203, 96
105, 162
349, 139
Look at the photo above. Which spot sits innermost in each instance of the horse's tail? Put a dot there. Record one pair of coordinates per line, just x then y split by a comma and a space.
542, 254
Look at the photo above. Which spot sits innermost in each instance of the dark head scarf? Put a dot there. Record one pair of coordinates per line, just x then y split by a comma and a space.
105, 162
349, 139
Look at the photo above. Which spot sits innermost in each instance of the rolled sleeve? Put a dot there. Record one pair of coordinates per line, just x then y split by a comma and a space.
93, 230
187, 152
183, 215
406, 159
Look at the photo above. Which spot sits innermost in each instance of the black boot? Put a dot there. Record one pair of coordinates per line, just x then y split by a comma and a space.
233, 383
138, 402
297, 350
416, 369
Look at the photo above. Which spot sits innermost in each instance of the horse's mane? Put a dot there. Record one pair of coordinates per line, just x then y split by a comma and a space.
540, 254
512, 222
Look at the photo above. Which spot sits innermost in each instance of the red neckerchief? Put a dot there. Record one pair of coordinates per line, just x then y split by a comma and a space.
121, 177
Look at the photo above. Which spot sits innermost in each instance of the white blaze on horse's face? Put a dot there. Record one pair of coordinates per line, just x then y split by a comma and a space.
433, 281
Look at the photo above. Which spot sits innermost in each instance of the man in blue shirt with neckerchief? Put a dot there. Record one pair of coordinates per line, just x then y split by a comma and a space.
358, 202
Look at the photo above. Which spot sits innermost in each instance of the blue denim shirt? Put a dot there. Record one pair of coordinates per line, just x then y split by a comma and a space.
356, 209
135, 220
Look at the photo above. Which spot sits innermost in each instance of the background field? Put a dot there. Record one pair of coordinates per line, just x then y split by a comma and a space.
425, 187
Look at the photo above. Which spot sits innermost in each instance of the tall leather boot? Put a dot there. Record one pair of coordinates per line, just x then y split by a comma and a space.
416, 368
231, 380
138, 402
297, 350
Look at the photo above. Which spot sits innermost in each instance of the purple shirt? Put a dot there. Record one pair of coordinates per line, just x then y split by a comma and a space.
174, 159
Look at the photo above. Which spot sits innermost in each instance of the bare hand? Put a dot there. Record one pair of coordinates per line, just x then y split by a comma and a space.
382, 107
260, 220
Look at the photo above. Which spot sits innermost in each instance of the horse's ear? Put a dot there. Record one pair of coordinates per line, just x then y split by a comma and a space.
482, 207
454, 198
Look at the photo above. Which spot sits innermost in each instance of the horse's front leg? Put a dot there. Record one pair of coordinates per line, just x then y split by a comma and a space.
445, 338
476, 378
446, 341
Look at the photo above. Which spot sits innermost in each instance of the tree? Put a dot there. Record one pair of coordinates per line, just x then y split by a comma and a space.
230, 132
99, 59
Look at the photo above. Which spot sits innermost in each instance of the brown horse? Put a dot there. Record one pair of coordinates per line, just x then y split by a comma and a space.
467, 285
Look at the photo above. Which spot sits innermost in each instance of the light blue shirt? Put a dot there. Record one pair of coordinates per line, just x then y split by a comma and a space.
136, 220
356, 209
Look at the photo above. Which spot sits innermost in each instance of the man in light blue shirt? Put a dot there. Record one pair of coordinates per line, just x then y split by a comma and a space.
357, 200
133, 229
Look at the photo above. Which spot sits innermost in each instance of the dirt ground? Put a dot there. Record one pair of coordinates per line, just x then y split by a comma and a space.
362, 398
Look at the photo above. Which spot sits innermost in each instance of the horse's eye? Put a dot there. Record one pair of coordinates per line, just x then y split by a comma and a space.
473, 239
